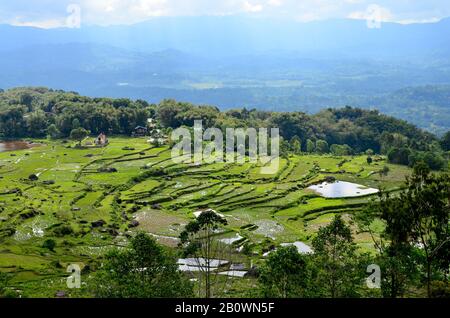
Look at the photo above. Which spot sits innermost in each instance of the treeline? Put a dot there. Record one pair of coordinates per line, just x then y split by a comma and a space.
41, 112
344, 131
359, 129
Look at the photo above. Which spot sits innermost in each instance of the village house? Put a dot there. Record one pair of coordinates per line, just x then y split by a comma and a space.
140, 131
101, 140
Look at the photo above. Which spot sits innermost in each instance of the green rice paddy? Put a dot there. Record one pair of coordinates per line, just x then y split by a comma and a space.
87, 201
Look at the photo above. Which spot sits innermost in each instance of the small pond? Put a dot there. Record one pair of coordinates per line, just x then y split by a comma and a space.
231, 240
342, 189
302, 248
15, 145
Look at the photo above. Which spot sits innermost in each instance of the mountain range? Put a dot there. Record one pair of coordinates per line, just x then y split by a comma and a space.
244, 62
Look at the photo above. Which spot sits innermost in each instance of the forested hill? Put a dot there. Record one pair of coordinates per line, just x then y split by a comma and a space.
41, 112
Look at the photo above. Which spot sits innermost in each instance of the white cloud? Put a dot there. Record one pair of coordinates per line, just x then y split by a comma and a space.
410, 21
52, 13
249, 7
43, 24
106, 12
275, 3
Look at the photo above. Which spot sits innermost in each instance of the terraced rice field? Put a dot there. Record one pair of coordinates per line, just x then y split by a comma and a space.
89, 200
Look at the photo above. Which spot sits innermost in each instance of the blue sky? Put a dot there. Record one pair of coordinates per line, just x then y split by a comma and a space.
53, 13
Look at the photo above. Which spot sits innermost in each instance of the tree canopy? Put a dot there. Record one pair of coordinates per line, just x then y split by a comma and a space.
37, 112
143, 270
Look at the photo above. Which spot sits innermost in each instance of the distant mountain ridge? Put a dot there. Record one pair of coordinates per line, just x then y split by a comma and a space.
403, 70
239, 35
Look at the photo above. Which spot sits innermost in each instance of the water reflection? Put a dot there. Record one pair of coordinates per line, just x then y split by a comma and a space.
342, 189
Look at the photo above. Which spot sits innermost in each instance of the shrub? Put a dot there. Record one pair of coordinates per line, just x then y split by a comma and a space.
433, 160
399, 156
341, 150
49, 244
63, 230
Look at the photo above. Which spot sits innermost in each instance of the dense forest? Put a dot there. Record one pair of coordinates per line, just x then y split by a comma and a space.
42, 112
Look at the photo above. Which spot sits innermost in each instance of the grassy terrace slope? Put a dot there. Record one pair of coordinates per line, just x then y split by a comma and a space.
87, 211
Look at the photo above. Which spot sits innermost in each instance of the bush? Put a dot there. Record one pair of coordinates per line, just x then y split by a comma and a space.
433, 160
341, 150
285, 274
49, 244
440, 289
4, 279
399, 156
8, 293
322, 146
63, 230
144, 270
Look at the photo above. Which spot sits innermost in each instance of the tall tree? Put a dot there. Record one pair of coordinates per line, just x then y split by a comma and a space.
339, 272
310, 147
285, 274
322, 146
417, 219
396, 257
296, 145
12, 122
37, 123
79, 134
198, 240
53, 132
427, 205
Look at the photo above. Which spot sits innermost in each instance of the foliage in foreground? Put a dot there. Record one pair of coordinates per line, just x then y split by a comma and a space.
414, 247
334, 270
198, 241
143, 270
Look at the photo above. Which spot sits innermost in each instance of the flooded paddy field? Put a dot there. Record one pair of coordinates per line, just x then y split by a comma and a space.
91, 200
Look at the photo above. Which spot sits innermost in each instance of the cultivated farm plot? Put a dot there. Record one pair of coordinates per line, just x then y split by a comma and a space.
87, 201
